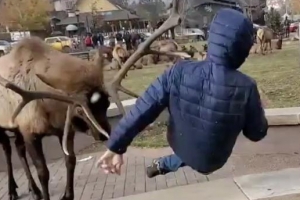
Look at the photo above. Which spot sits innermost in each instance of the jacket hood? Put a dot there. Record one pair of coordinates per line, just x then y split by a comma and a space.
230, 38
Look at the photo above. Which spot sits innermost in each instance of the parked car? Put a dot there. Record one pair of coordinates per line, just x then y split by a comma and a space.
60, 43
192, 32
106, 41
294, 26
5, 47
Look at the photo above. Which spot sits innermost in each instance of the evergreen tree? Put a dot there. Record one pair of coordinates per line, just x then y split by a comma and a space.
273, 20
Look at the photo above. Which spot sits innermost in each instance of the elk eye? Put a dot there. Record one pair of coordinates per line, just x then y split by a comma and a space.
95, 97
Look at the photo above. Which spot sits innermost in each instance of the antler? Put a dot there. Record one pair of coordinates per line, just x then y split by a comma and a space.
28, 96
115, 85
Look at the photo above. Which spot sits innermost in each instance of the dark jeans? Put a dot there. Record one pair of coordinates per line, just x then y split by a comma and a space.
170, 163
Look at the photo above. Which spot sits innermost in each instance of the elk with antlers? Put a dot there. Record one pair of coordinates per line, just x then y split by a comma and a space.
47, 93
120, 54
264, 38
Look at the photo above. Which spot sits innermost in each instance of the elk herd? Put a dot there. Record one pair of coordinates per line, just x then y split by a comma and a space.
45, 92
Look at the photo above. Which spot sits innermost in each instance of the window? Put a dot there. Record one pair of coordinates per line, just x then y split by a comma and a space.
64, 39
51, 40
69, 4
4, 43
107, 13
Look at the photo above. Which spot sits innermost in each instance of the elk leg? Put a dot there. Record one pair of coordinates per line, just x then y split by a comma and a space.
262, 49
21, 150
70, 165
35, 150
12, 186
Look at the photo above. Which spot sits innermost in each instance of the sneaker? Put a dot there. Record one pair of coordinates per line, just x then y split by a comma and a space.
154, 169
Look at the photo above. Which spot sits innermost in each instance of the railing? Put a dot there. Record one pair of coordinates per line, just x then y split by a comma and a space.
85, 55
137, 30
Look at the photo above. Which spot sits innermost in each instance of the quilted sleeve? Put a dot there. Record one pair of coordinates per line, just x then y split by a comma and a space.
147, 108
256, 124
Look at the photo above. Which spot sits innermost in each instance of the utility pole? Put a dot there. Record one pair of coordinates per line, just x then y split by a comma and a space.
291, 9
250, 10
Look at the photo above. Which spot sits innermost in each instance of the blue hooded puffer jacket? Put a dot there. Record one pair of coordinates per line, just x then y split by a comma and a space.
210, 102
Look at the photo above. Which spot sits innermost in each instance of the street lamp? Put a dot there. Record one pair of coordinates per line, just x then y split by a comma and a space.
52, 25
77, 13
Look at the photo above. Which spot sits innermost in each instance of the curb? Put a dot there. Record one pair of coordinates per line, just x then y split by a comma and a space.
275, 116
267, 185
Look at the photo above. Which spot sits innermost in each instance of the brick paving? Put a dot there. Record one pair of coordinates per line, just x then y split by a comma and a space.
92, 184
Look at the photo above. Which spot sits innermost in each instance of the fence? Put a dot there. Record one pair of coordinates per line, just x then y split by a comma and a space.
85, 55
137, 30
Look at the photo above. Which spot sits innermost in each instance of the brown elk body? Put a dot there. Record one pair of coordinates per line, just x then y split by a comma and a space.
166, 46
120, 54
64, 80
264, 37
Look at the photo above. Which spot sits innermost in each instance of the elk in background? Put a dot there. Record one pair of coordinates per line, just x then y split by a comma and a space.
264, 37
120, 54
43, 97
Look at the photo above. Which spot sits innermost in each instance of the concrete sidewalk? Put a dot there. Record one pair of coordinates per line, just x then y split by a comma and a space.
278, 185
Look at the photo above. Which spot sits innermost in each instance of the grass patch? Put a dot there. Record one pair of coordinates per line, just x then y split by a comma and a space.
153, 137
277, 75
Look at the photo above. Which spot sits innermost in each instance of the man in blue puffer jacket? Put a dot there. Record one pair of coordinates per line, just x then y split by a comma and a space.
210, 102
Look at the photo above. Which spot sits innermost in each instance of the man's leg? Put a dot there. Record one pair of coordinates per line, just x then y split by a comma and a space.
164, 165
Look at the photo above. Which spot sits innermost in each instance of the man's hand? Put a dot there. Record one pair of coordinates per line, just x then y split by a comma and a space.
111, 162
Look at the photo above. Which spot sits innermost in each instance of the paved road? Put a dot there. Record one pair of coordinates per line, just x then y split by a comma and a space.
278, 151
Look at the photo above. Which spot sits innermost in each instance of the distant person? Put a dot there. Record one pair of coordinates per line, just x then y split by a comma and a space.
119, 38
159, 23
95, 40
112, 40
88, 41
135, 39
127, 39
210, 103
287, 27
101, 39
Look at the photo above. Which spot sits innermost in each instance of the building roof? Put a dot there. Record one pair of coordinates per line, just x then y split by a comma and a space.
114, 15
114, 2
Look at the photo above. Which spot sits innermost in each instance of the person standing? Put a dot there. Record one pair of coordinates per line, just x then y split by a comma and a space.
101, 39
210, 103
119, 38
112, 40
95, 40
127, 39
88, 41
287, 27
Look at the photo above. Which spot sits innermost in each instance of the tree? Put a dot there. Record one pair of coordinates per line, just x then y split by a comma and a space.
123, 3
295, 6
151, 9
97, 18
273, 20
25, 14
